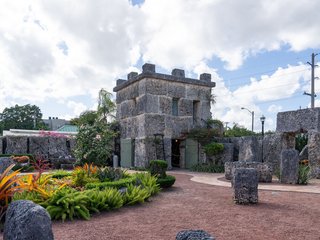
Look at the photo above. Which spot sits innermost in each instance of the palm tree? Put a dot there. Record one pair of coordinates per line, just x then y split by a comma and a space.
106, 107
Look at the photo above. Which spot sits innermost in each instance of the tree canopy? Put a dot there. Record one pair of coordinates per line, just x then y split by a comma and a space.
21, 117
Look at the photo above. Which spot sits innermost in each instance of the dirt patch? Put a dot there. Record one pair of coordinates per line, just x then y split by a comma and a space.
191, 205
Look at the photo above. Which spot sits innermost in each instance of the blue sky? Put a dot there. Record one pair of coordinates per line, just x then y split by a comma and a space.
58, 55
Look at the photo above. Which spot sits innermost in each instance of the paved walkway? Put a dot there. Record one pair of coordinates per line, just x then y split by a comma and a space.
218, 179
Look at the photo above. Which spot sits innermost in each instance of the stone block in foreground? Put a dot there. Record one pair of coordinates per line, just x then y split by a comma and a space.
245, 184
26, 220
194, 235
289, 166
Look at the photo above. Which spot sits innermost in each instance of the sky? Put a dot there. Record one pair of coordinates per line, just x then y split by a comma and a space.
58, 54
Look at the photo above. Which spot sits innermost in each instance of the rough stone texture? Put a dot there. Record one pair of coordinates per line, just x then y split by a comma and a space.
167, 151
205, 77
156, 87
289, 166
225, 156
303, 155
165, 105
16, 145
144, 104
264, 170
236, 143
178, 73
1, 145
132, 75
140, 153
249, 149
26, 220
314, 153
299, 121
194, 235
176, 90
148, 67
245, 184
58, 147
5, 162
154, 124
185, 107
39, 146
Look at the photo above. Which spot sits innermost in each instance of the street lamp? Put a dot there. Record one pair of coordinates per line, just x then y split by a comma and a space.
262, 119
252, 117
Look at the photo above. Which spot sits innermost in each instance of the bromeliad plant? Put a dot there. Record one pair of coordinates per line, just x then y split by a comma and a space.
10, 183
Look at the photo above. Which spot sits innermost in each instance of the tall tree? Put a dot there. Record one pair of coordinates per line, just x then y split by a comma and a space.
106, 107
22, 117
86, 118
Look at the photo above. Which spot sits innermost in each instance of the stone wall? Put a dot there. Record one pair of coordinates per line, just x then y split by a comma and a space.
298, 121
48, 147
145, 108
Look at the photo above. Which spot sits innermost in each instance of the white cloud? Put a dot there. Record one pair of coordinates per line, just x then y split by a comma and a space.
58, 49
274, 108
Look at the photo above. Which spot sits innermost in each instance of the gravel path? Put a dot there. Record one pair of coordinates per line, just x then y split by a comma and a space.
191, 205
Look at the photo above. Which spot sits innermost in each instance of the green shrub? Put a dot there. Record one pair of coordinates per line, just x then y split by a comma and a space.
124, 182
148, 182
158, 168
67, 203
213, 148
211, 168
28, 195
61, 174
135, 194
303, 176
24, 168
167, 181
107, 199
110, 174
301, 141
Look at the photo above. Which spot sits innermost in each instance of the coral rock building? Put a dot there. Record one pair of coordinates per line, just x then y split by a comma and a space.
155, 111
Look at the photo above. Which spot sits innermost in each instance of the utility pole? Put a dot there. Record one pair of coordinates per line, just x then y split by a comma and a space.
312, 94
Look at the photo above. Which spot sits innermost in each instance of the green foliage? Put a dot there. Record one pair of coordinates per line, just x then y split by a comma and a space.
80, 178
204, 135
106, 107
158, 168
61, 174
303, 176
212, 168
148, 182
86, 118
135, 194
94, 144
213, 148
237, 131
301, 141
124, 182
29, 195
107, 199
110, 174
167, 181
67, 203
22, 117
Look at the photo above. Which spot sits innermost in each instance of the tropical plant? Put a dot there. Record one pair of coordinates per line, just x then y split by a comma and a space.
106, 199
94, 144
91, 169
213, 148
124, 182
301, 141
110, 174
158, 168
303, 174
10, 183
106, 106
148, 182
135, 194
68, 203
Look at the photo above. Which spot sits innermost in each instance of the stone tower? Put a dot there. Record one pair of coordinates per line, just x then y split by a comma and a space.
155, 112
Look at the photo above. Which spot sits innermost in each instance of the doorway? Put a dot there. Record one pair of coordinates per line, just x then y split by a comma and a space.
175, 153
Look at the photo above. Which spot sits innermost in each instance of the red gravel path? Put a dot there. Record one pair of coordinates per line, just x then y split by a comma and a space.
191, 205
